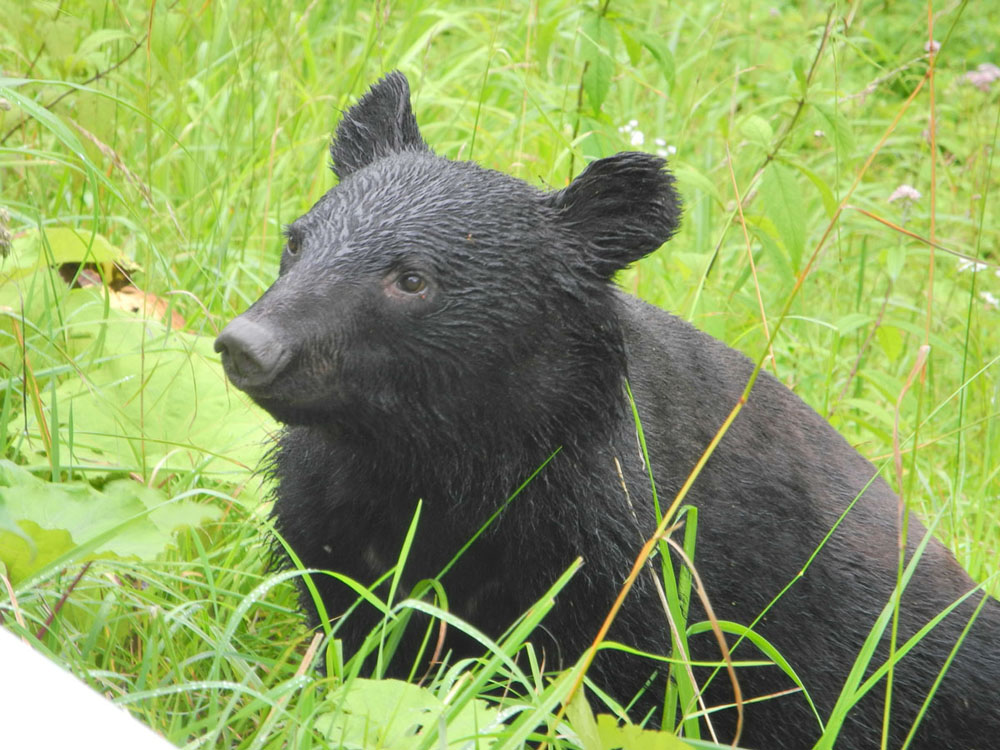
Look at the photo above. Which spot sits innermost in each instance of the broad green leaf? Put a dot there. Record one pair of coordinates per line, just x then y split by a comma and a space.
598, 55
799, 69
689, 176
395, 714
826, 194
7, 523
57, 245
895, 259
890, 338
150, 397
99, 38
581, 718
766, 233
876, 416
633, 47
636, 738
57, 517
545, 34
757, 130
782, 202
851, 322
31, 549
658, 48
839, 127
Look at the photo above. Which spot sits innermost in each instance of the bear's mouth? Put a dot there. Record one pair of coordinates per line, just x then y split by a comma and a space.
294, 412
300, 398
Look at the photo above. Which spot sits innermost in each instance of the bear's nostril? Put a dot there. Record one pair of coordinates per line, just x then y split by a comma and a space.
251, 353
242, 364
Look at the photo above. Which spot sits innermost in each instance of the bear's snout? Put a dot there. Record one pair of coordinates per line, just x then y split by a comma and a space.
251, 353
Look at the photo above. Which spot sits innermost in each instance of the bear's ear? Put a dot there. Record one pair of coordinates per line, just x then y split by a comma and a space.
380, 124
624, 207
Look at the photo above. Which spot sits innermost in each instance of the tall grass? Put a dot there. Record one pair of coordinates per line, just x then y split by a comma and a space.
188, 133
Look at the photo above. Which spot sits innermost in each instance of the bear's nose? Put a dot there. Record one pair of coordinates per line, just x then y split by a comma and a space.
251, 353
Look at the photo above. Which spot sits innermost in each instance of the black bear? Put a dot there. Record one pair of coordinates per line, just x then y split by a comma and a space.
439, 330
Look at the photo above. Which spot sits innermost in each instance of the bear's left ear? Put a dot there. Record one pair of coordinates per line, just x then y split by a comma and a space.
624, 207
380, 124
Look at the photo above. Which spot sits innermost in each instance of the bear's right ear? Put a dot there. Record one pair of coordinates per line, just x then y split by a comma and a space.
380, 124
622, 208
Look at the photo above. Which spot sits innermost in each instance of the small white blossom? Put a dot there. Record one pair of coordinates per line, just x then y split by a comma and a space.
932, 46
819, 134
660, 142
637, 138
671, 150
990, 299
905, 193
971, 265
661, 152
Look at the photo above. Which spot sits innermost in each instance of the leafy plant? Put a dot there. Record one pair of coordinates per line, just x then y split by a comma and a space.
48, 524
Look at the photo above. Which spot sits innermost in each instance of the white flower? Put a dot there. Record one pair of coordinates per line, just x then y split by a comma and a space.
671, 150
629, 126
966, 265
906, 193
990, 299
637, 138
660, 142
932, 46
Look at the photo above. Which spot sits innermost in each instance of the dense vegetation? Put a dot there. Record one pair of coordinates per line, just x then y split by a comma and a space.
840, 216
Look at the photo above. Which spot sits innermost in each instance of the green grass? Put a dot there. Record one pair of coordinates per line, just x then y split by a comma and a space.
188, 137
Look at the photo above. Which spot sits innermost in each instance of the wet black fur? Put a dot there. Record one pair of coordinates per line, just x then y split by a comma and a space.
519, 344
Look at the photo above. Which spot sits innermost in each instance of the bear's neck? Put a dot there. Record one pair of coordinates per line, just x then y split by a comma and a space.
562, 403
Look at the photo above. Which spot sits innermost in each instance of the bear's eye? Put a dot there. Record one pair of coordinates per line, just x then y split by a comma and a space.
292, 246
411, 283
